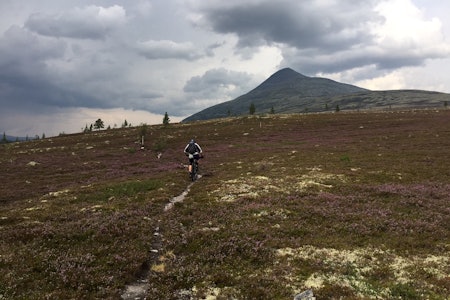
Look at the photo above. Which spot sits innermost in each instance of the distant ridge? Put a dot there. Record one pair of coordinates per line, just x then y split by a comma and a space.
10, 138
287, 91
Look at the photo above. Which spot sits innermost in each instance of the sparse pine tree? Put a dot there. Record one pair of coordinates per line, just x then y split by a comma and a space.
143, 129
99, 124
4, 139
125, 124
337, 108
166, 119
142, 132
252, 109
272, 111
43, 136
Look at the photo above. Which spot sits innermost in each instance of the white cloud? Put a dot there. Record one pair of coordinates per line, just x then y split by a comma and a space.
406, 28
91, 22
391, 81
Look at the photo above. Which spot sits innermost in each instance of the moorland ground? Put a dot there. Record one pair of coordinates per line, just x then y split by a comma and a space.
352, 205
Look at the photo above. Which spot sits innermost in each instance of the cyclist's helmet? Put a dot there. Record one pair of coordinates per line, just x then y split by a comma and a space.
192, 141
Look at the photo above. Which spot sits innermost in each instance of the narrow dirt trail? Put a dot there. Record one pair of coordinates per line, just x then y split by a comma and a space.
138, 289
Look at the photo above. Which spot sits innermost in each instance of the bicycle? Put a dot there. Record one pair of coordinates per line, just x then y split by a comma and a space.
193, 162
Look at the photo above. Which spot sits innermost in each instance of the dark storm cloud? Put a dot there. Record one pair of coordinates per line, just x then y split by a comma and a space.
374, 57
21, 48
23, 73
29, 82
300, 24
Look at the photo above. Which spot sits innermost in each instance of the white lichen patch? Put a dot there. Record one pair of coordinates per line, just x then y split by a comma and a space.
280, 213
58, 193
214, 229
315, 178
212, 293
249, 186
244, 187
353, 268
34, 208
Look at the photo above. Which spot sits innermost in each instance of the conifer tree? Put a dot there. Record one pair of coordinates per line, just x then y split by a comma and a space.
166, 119
99, 124
337, 108
252, 109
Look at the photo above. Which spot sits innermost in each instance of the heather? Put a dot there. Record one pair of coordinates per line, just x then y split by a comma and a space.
351, 205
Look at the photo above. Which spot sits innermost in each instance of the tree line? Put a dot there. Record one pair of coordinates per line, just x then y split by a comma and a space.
97, 125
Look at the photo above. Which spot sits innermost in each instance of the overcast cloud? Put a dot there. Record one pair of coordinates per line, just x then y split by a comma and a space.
63, 64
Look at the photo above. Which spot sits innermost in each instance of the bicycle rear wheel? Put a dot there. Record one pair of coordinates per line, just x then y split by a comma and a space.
194, 171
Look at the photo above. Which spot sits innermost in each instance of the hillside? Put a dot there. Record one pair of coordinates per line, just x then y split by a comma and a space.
288, 91
350, 205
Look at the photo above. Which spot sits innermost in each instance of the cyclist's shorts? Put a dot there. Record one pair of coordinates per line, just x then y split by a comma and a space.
196, 157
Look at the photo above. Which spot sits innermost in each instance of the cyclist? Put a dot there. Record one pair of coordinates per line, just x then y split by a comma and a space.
193, 151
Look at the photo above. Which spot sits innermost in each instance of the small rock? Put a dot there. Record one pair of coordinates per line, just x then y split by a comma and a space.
306, 295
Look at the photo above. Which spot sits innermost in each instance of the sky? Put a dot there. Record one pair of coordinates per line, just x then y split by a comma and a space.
65, 64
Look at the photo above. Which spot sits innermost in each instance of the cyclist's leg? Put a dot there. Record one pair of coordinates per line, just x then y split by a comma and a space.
191, 160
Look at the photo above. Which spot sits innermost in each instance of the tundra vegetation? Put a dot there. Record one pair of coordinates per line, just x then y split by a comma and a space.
350, 205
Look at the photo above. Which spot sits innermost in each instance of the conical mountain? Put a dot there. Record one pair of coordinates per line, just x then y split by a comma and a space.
287, 91
284, 91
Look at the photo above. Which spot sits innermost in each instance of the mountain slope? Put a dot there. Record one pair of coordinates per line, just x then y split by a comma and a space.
288, 91
282, 91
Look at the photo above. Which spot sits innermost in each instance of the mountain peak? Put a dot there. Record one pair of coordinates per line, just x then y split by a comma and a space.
287, 72
283, 76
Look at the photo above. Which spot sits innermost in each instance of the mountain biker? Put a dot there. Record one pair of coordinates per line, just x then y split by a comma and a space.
193, 151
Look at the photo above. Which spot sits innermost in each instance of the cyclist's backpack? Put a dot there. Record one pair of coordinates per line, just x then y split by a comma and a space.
192, 148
